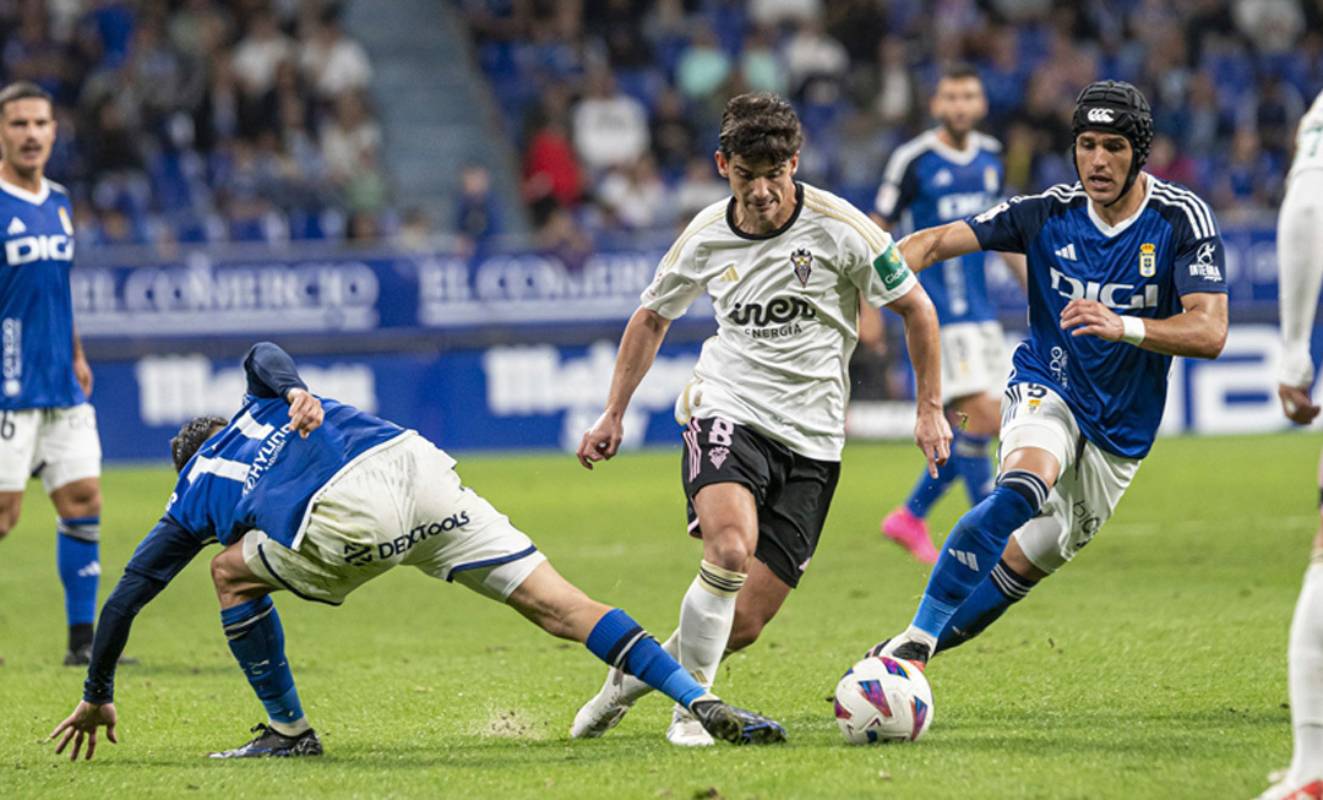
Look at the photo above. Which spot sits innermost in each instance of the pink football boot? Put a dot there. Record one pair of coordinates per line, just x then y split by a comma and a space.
911, 533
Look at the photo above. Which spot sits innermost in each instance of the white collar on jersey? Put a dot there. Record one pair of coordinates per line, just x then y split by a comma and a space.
35, 198
1115, 230
961, 157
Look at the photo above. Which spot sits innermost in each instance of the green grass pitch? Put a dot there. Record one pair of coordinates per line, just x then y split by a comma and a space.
1153, 666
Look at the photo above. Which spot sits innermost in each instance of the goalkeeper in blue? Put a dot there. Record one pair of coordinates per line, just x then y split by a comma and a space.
316, 497
1124, 272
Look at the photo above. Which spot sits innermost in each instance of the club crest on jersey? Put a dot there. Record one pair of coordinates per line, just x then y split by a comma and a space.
65, 222
1148, 260
990, 183
802, 261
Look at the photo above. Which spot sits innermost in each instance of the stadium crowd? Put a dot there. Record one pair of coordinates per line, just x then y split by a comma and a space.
614, 104
251, 121
200, 120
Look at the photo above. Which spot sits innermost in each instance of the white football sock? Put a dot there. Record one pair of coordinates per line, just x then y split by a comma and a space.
1305, 666
706, 615
294, 728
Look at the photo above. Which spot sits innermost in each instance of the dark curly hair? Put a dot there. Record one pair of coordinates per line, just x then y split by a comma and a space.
760, 126
192, 435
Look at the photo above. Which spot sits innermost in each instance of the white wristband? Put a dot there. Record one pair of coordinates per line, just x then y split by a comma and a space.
1132, 330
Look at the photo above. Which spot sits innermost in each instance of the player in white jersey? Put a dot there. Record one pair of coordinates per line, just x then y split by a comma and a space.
47, 426
1300, 256
786, 265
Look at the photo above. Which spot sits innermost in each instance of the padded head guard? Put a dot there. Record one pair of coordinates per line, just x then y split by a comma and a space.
1115, 107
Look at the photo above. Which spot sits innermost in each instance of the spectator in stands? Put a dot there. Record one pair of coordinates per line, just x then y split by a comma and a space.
331, 62
813, 56
610, 128
551, 174
1170, 164
673, 135
703, 66
349, 138
260, 52
415, 234
760, 64
635, 197
477, 212
698, 189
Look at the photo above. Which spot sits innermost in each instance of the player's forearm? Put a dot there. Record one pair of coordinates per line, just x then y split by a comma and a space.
1196, 333
1297, 292
112, 632
923, 340
78, 353
924, 248
638, 349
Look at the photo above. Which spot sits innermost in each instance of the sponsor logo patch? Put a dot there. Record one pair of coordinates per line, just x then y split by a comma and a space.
890, 267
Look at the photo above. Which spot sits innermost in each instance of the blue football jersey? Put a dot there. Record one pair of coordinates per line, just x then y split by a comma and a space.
927, 184
1141, 267
36, 308
259, 473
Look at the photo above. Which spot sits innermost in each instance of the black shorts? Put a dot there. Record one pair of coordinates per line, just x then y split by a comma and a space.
793, 492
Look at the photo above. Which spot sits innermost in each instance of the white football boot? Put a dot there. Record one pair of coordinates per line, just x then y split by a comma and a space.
610, 705
685, 731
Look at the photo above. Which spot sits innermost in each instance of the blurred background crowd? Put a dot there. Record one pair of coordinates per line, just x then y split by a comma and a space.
581, 123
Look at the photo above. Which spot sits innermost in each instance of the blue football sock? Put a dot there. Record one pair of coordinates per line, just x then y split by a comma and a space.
975, 546
258, 643
970, 455
929, 490
621, 642
78, 556
993, 596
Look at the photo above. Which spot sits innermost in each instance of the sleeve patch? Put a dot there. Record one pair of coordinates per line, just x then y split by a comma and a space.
890, 267
1204, 264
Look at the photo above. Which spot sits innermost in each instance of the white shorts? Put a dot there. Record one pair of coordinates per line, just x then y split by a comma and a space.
1089, 486
973, 360
60, 444
403, 504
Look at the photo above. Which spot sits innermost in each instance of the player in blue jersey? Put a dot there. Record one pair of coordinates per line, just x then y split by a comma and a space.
47, 426
941, 175
1125, 271
321, 513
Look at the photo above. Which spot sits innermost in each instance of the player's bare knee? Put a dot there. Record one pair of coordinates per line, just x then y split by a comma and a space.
728, 547
78, 499
223, 575
1020, 564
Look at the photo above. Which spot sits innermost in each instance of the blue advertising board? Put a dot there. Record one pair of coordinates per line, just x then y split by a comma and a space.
374, 329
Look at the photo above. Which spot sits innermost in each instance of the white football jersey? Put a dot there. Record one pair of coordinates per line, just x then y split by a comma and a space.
1309, 140
787, 306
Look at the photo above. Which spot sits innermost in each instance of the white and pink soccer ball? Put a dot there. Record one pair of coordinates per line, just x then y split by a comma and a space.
883, 699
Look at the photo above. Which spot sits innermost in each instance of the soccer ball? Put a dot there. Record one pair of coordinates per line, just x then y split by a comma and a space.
883, 699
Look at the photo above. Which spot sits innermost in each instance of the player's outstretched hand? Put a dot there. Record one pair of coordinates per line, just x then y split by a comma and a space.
305, 411
932, 433
82, 724
602, 440
1091, 318
1296, 404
